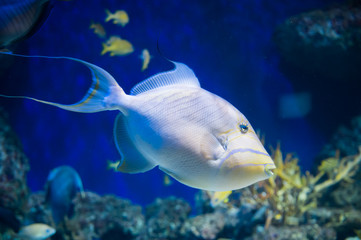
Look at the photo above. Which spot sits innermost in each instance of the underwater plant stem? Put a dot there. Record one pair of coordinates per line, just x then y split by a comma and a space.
344, 172
288, 179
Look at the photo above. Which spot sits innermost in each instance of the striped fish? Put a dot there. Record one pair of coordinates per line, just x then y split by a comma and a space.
20, 19
169, 121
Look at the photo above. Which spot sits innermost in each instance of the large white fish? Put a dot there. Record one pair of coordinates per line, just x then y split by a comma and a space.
169, 121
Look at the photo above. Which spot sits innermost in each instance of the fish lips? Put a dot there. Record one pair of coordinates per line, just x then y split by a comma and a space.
242, 167
268, 167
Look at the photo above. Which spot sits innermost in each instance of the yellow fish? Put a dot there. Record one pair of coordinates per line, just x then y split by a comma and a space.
167, 181
98, 29
113, 165
146, 59
120, 17
358, 233
117, 46
36, 231
278, 216
219, 197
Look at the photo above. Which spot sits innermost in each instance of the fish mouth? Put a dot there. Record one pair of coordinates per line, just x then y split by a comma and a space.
267, 169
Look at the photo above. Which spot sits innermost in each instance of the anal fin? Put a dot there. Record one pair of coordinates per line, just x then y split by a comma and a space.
132, 161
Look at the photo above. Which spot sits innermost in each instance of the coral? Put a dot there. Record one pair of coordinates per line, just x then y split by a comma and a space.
306, 232
291, 194
323, 44
347, 194
36, 211
344, 221
322, 28
284, 199
346, 140
206, 226
13, 169
337, 29
241, 212
106, 217
165, 218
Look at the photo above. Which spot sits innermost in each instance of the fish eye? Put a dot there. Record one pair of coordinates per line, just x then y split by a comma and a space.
244, 128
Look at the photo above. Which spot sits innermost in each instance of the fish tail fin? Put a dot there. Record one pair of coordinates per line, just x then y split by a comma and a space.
105, 49
103, 94
109, 15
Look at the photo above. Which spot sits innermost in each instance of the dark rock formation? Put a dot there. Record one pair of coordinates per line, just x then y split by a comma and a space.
346, 140
305, 232
206, 226
165, 218
13, 169
323, 41
36, 210
321, 55
105, 217
343, 220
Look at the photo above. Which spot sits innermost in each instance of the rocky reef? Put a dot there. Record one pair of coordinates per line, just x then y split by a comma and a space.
320, 53
344, 142
322, 40
13, 169
104, 217
165, 218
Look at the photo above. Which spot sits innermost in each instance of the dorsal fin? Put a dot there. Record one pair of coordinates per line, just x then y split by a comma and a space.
180, 75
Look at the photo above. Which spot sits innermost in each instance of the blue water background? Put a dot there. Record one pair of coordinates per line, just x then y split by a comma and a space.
228, 44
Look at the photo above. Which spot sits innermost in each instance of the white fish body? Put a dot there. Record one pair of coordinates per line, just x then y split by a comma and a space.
169, 121
36, 231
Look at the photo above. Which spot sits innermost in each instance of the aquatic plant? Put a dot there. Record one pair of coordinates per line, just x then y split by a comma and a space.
290, 193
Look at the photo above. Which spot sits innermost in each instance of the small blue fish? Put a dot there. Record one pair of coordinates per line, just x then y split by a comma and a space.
62, 186
20, 19
169, 121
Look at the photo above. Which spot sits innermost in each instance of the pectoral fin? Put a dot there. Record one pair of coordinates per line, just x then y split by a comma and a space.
211, 148
170, 173
132, 161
